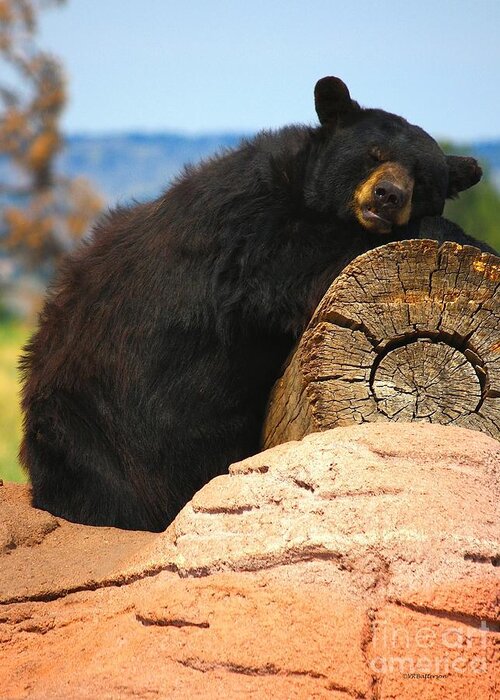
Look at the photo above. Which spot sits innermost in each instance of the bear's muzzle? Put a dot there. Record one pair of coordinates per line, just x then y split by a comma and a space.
383, 200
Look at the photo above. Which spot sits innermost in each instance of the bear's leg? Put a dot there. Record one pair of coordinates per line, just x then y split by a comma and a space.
75, 475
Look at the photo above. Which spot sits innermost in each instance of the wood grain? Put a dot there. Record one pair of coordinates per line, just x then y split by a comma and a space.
409, 331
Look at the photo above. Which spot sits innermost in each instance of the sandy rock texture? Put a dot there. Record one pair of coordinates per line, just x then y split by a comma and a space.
361, 562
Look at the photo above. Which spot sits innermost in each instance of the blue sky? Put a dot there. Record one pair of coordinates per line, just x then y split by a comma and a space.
194, 66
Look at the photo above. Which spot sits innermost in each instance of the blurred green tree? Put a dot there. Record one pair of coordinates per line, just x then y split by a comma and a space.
477, 211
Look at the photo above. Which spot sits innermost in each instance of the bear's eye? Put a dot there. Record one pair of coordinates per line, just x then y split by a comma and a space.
377, 155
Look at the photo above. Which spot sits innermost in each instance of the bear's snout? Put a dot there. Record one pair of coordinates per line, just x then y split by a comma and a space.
387, 195
383, 200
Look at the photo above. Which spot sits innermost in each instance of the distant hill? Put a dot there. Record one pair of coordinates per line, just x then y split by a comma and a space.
137, 166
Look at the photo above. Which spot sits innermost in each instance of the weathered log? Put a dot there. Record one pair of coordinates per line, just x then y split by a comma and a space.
409, 331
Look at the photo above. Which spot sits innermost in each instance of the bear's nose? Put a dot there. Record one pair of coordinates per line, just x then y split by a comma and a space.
388, 195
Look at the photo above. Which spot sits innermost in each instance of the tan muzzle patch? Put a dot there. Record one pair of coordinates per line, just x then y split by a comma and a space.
383, 200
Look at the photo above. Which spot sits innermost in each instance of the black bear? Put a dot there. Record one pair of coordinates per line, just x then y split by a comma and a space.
163, 334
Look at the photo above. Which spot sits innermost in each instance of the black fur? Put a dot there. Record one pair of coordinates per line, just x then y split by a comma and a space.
161, 338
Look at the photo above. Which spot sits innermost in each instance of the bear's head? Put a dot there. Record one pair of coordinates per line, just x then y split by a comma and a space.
376, 169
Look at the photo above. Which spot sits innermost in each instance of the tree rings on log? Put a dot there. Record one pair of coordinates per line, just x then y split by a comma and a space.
409, 331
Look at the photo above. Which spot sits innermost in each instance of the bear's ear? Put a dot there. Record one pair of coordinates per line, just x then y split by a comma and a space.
332, 100
463, 172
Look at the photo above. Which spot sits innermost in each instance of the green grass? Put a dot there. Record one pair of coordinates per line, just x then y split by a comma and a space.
12, 337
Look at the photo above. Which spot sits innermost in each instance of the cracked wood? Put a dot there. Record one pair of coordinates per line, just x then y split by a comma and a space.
409, 331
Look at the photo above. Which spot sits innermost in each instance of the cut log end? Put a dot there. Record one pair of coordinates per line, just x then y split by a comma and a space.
425, 380
409, 332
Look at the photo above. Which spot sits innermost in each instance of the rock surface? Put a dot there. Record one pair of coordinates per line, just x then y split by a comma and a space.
360, 562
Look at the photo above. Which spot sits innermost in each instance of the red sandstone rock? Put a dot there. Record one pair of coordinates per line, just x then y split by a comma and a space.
350, 564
